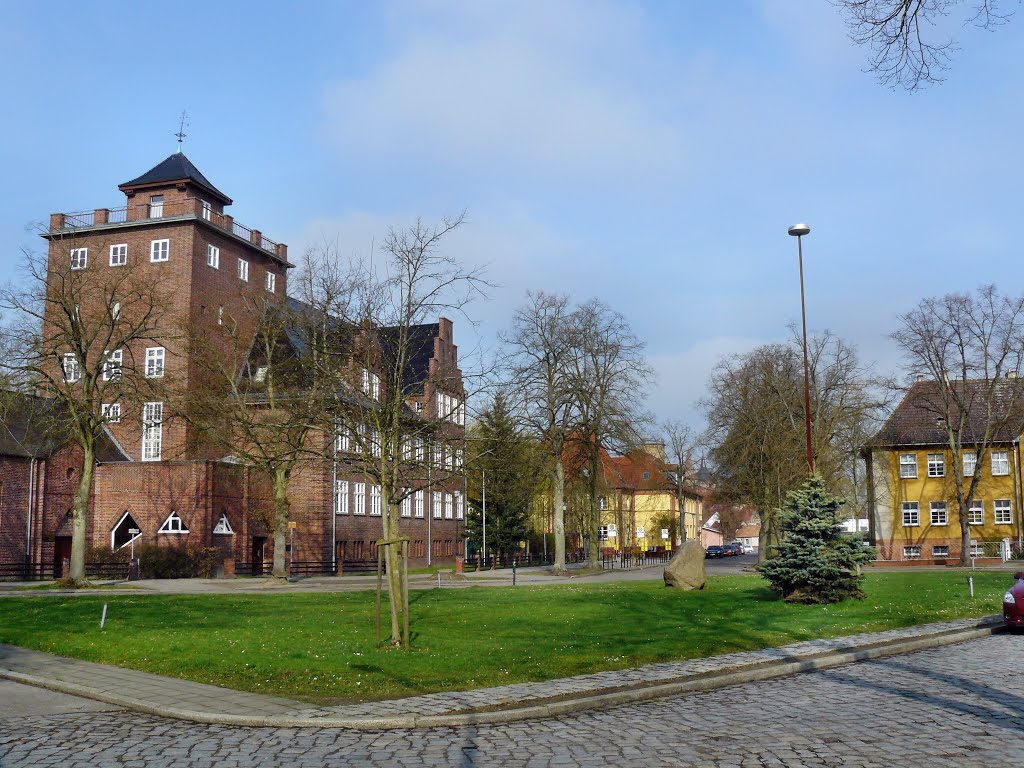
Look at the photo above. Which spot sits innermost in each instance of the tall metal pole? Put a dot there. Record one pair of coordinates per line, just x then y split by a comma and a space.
483, 484
807, 375
798, 231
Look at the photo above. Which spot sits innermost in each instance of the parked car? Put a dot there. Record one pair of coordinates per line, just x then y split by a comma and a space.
730, 550
714, 551
1013, 603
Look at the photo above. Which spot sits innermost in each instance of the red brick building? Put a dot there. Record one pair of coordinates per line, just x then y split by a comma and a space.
155, 476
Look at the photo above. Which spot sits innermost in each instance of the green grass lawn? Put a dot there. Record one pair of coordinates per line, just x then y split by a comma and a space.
320, 647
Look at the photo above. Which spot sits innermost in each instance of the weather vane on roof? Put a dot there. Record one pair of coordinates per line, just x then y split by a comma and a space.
181, 128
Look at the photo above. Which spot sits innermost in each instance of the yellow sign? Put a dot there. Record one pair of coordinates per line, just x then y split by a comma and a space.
293, 525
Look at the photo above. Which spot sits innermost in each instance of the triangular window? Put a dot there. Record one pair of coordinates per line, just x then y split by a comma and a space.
173, 524
223, 526
124, 532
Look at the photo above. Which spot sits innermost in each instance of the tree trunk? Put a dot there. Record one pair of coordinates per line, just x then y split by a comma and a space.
681, 533
80, 516
393, 559
965, 536
559, 516
281, 517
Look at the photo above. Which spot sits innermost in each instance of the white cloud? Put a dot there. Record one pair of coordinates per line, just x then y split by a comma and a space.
523, 90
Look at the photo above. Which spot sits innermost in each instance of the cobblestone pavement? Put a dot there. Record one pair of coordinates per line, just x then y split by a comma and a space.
960, 705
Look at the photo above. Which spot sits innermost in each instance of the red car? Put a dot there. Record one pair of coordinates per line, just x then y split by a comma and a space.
1013, 603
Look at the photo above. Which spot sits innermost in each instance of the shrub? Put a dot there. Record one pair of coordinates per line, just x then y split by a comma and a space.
816, 563
176, 562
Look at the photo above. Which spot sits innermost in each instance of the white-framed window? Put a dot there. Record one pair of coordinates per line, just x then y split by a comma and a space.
940, 550
940, 515
438, 455
911, 514
207, 210
213, 256
243, 270
418, 504
111, 412
436, 501
156, 206
152, 431
908, 465
375, 447
223, 526
155, 360
976, 512
72, 369
173, 524
449, 506
375, 501
359, 490
112, 365
1000, 463
79, 258
341, 497
936, 465
460, 506
911, 552
970, 463
458, 458
119, 255
449, 459
608, 531
160, 250
1003, 512
370, 384
271, 282
406, 503
417, 448
602, 503
121, 535
343, 440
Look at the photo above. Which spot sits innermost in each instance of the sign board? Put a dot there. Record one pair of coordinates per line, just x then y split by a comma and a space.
612, 530
664, 534
293, 525
641, 532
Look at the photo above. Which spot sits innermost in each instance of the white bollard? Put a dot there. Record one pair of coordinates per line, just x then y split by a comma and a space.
103, 618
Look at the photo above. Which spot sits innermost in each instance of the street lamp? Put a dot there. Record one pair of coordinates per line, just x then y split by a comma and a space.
798, 231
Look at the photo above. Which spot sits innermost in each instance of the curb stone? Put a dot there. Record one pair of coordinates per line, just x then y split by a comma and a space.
555, 706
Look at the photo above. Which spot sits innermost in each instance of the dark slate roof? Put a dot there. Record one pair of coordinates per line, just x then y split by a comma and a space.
35, 427
421, 347
916, 420
420, 352
177, 167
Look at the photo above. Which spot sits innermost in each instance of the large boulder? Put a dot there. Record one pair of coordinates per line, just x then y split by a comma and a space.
686, 568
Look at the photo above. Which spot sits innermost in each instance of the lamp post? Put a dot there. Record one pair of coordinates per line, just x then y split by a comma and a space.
798, 231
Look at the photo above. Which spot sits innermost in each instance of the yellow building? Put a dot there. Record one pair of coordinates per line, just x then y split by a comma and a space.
912, 496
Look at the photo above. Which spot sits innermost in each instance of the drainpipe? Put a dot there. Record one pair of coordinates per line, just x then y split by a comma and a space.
31, 499
334, 508
1016, 486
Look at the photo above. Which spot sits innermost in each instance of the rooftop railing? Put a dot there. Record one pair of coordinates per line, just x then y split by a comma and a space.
189, 208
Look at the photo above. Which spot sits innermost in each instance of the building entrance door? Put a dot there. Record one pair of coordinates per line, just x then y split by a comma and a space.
258, 545
61, 552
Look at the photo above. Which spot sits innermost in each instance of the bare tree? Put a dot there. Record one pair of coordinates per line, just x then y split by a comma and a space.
972, 348
540, 346
405, 430
608, 378
907, 49
259, 392
680, 451
76, 331
755, 414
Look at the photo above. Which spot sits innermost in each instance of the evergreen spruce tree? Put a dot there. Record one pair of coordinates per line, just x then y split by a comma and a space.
499, 450
817, 562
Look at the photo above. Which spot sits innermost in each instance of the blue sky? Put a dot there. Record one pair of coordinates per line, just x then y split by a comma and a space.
651, 154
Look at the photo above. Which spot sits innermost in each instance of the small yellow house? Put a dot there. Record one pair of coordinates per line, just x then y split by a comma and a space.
912, 496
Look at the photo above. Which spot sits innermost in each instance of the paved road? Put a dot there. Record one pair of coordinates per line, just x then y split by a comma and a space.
955, 706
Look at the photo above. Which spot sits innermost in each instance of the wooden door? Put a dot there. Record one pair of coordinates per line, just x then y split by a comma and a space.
61, 552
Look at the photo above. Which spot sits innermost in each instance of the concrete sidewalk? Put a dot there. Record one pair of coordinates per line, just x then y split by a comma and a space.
180, 699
